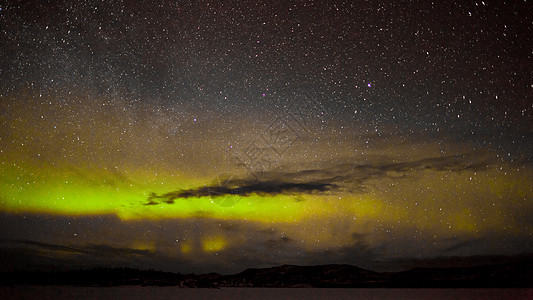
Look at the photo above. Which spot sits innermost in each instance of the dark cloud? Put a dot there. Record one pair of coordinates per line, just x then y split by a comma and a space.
45, 246
97, 250
354, 178
458, 245
360, 252
455, 261
269, 249
357, 176
28, 255
278, 242
243, 188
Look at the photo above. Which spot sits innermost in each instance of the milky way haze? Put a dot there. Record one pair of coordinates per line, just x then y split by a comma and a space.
216, 136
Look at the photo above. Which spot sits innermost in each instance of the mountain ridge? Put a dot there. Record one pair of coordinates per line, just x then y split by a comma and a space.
513, 274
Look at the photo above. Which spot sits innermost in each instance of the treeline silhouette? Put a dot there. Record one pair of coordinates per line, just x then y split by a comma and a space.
516, 274
94, 277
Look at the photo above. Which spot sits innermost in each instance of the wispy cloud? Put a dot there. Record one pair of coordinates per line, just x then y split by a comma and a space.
349, 177
29, 255
243, 188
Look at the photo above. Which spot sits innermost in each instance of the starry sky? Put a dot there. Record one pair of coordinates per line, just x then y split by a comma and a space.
199, 136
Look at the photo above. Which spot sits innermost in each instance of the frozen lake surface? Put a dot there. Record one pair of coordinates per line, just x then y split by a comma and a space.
138, 292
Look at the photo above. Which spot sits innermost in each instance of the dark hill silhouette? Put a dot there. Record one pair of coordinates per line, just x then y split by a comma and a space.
513, 274
310, 276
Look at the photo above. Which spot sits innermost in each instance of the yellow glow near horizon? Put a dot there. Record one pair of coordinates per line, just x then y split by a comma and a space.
213, 244
186, 247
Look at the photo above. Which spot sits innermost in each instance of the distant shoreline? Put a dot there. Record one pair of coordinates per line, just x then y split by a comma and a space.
508, 275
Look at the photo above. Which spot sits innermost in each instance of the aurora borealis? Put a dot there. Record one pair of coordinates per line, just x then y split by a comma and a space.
216, 136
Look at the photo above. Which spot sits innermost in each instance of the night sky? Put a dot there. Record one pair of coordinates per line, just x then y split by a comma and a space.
199, 136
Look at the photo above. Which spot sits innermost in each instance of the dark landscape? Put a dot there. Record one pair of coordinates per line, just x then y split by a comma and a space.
507, 275
266, 149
